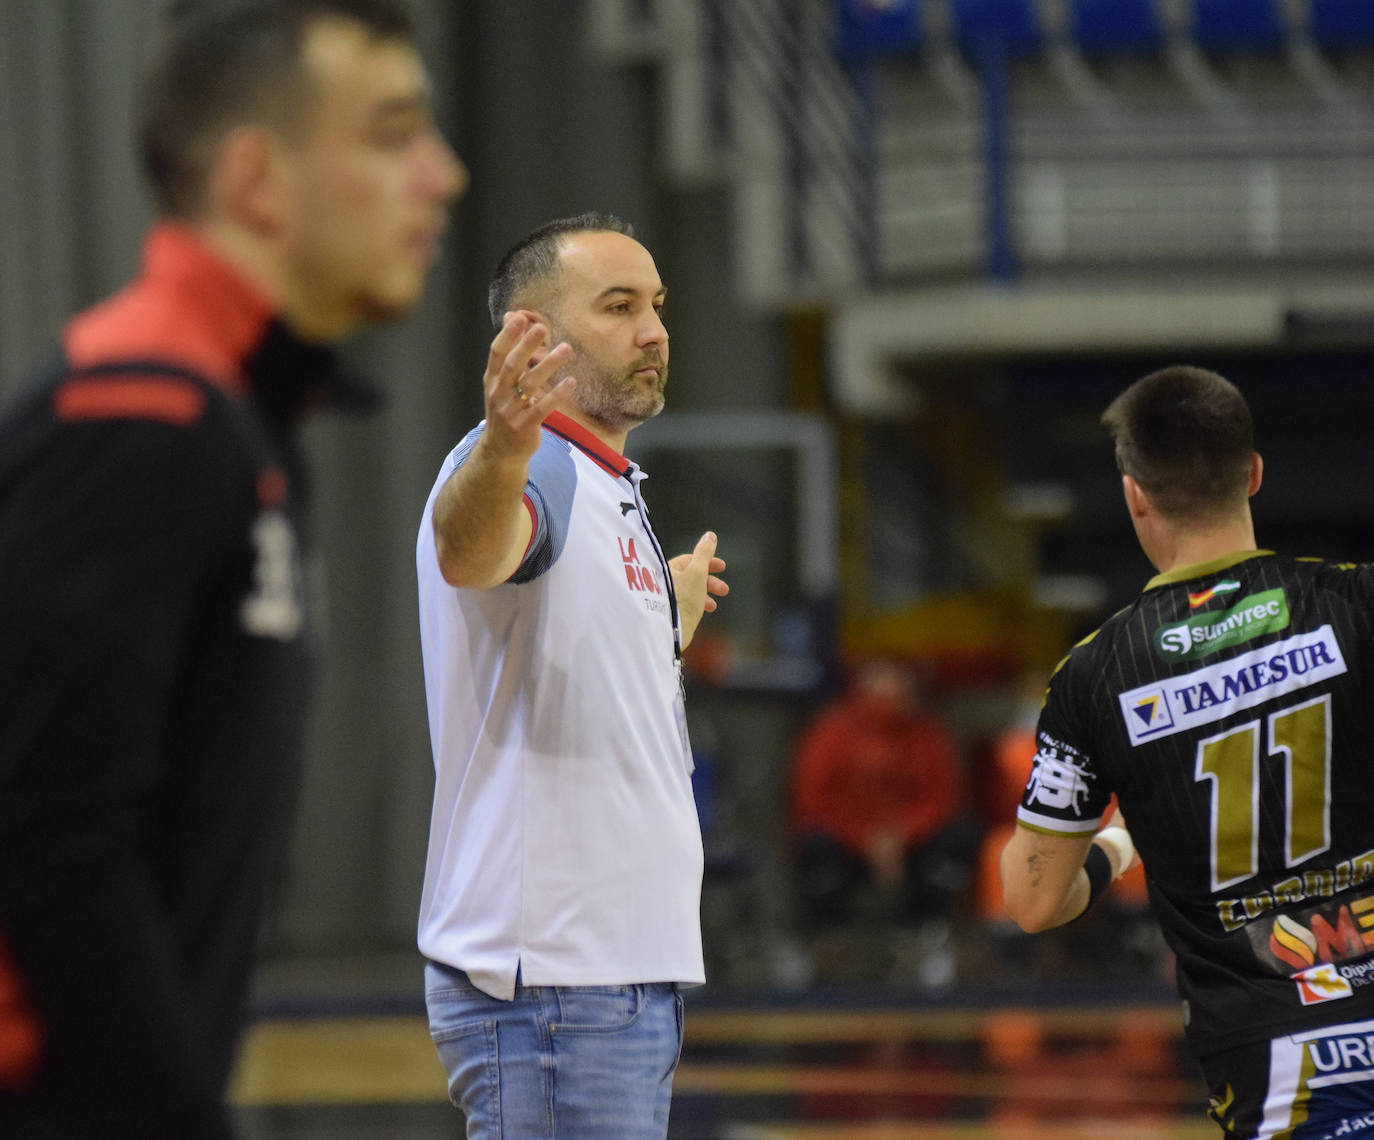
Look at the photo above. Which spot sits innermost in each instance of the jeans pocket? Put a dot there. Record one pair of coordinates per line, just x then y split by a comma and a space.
598, 1009
442, 1034
468, 1052
679, 1021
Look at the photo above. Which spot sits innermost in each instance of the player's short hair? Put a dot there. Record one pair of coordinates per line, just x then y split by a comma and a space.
532, 264
1186, 436
222, 63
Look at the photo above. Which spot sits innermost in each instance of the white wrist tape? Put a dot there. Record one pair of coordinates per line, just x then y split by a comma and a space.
1118, 839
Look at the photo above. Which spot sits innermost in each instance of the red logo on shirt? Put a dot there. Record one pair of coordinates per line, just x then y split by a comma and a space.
637, 575
1320, 984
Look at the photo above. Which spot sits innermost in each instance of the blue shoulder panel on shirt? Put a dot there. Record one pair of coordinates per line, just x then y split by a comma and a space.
552, 482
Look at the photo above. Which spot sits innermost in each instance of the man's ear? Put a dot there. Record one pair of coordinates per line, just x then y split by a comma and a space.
246, 181
1256, 474
1137, 501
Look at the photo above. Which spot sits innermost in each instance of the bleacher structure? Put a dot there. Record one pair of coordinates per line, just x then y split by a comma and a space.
1025, 178
1169, 148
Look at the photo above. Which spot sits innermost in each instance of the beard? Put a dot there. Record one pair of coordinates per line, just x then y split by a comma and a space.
616, 398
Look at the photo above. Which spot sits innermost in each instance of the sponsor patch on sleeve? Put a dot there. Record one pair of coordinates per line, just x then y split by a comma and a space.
1059, 795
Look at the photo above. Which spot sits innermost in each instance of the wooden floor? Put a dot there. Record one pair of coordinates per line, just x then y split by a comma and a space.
1055, 1067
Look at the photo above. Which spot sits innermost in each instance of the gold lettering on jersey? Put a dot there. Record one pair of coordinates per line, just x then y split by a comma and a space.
1320, 883
1363, 910
1289, 891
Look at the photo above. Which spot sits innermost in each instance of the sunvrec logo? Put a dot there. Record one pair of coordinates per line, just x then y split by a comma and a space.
1250, 617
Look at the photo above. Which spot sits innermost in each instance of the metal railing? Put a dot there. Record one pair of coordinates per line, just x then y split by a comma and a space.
966, 159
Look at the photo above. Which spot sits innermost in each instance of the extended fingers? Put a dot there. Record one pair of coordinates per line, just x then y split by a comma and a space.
533, 393
715, 588
508, 361
537, 379
705, 548
516, 382
513, 346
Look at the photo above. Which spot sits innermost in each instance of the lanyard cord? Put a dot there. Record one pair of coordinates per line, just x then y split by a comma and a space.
663, 563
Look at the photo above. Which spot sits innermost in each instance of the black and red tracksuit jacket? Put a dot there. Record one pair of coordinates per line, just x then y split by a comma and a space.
154, 667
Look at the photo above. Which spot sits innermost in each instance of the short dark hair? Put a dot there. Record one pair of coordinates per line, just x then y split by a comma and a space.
533, 261
221, 63
1186, 436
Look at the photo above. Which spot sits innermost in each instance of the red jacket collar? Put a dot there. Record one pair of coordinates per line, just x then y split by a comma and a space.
575, 433
188, 305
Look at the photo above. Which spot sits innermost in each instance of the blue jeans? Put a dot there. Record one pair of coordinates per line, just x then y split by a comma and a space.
575, 1062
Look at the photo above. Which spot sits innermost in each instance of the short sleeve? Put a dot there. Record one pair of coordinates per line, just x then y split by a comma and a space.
1065, 794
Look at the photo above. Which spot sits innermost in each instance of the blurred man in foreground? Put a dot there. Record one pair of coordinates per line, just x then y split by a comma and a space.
155, 656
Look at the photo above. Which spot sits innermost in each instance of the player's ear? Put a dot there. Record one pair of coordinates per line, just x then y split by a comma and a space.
1137, 502
1256, 474
245, 183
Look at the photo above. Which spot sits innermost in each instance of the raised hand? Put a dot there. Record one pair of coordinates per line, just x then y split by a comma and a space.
696, 584
520, 395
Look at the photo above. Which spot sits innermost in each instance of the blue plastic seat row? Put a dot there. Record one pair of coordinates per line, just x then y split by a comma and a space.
874, 27
1338, 24
1098, 27
1114, 27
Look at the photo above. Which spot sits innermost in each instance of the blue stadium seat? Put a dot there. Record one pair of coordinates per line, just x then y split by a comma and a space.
1341, 25
1237, 25
868, 28
1011, 24
1105, 27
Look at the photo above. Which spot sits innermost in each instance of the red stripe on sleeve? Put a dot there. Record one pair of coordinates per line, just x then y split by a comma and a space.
161, 398
20, 1038
534, 527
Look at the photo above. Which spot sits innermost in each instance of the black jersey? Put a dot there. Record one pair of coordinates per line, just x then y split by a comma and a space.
1229, 708
155, 661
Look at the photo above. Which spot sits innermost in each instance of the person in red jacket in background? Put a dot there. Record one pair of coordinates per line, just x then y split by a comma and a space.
878, 798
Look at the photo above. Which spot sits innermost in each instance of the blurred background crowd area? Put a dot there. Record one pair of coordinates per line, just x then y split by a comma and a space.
912, 248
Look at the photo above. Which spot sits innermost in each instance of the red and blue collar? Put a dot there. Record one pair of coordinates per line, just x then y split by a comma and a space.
568, 428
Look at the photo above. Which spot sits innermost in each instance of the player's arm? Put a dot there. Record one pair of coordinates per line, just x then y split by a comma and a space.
482, 524
1054, 867
1048, 880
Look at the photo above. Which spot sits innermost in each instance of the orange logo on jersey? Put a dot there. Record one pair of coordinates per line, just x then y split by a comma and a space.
1321, 983
1291, 942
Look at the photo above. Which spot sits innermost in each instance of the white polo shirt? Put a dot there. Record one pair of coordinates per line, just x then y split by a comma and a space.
564, 839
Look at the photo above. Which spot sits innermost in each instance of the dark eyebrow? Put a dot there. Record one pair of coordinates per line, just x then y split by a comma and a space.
606, 293
402, 105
